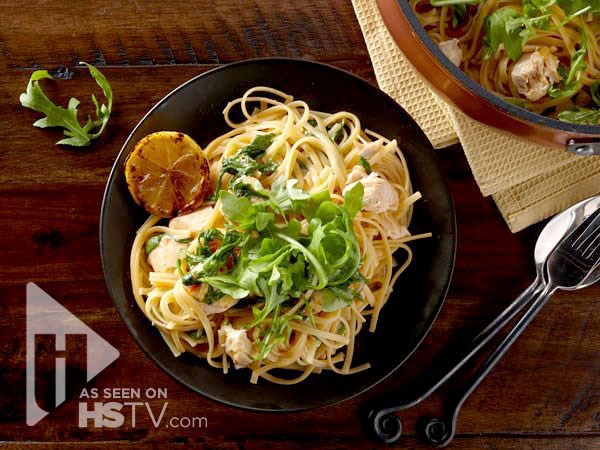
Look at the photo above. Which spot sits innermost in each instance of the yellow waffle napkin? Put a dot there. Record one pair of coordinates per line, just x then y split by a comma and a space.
528, 182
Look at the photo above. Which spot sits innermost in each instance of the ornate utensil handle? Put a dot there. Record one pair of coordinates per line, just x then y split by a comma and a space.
387, 426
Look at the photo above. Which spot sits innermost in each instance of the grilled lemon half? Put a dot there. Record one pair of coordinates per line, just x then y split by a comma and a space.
167, 174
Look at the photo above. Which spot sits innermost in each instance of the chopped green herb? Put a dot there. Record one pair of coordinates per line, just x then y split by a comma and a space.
364, 164
153, 242
212, 295
57, 116
245, 161
179, 268
196, 334
336, 131
312, 122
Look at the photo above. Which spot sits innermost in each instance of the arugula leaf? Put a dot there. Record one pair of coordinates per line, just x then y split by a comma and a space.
580, 115
153, 242
310, 207
277, 332
263, 220
244, 162
226, 285
534, 8
509, 27
595, 91
206, 264
286, 195
265, 253
238, 210
574, 8
57, 116
335, 298
334, 243
273, 298
569, 84
353, 200
459, 12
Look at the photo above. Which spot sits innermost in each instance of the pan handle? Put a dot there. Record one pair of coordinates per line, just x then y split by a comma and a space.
583, 147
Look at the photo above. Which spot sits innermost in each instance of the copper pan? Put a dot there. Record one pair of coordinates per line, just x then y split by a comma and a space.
471, 98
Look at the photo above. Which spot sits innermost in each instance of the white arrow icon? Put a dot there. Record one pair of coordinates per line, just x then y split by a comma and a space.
45, 316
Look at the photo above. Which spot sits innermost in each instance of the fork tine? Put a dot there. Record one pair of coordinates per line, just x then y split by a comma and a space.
592, 224
592, 247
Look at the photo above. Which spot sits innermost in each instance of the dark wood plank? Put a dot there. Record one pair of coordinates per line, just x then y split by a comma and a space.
177, 32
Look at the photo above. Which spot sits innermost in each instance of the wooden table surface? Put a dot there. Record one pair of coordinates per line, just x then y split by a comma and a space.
544, 394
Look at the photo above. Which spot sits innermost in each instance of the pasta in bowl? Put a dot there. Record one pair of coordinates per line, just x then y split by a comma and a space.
540, 55
292, 255
195, 110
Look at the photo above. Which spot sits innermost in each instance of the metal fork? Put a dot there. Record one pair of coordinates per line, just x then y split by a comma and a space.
569, 267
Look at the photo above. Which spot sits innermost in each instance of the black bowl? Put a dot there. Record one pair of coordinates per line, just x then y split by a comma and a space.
196, 108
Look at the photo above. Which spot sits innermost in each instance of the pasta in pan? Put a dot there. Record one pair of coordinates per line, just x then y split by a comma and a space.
542, 55
294, 253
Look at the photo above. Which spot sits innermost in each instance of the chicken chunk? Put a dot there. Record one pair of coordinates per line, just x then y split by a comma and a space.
452, 51
379, 196
237, 346
534, 73
164, 256
393, 229
194, 221
357, 173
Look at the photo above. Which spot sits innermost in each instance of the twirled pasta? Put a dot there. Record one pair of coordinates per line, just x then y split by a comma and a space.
303, 151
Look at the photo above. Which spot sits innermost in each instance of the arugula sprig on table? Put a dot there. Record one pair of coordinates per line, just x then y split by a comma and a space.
272, 260
67, 118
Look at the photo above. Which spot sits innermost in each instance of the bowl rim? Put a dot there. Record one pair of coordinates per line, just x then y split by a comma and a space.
452, 236
457, 76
